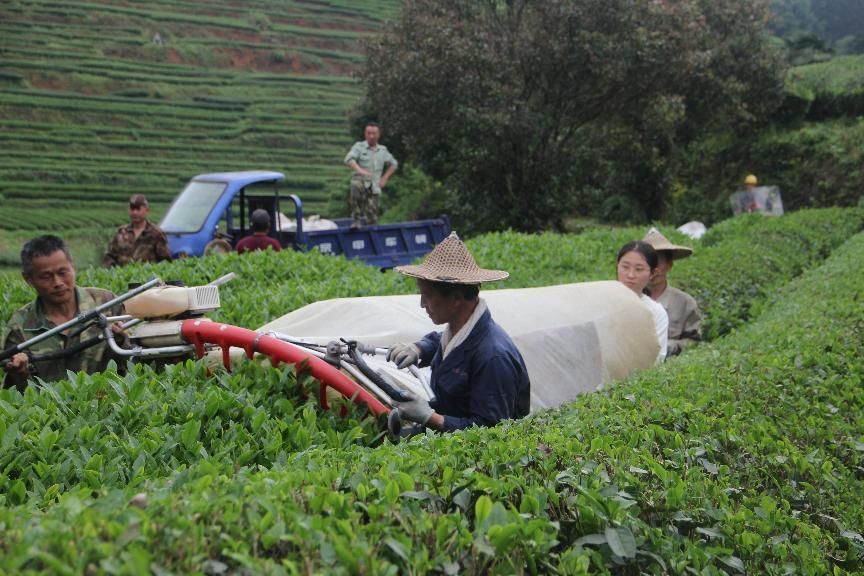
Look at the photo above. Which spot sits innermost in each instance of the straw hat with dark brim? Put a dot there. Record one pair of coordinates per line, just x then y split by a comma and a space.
451, 262
661, 244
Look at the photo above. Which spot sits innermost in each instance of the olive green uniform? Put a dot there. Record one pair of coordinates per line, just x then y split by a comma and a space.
30, 321
365, 194
150, 246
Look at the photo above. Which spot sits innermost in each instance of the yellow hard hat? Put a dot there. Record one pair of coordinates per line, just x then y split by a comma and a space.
751, 179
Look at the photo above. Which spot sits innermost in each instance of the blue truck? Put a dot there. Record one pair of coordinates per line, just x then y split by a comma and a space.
212, 214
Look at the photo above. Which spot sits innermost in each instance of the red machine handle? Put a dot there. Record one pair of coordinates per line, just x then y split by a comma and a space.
199, 332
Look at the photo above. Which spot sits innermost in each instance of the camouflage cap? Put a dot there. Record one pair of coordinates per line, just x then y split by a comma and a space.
138, 200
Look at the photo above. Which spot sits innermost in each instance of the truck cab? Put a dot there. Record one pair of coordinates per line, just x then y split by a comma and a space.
212, 214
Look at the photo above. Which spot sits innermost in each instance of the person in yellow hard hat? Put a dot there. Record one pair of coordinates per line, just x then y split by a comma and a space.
750, 182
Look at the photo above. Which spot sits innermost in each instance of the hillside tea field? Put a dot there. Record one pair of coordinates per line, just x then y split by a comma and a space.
743, 456
99, 100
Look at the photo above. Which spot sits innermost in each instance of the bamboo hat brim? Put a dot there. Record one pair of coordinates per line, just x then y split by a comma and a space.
661, 244
451, 262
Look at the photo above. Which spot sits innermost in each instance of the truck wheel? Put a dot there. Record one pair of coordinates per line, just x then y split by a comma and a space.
217, 246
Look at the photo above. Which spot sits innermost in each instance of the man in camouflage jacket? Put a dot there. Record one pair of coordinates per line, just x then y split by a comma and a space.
138, 241
47, 267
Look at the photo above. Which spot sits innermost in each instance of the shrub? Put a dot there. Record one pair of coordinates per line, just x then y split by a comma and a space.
743, 260
746, 258
742, 456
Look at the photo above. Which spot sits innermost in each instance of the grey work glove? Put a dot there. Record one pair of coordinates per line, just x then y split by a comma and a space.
416, 409
404, 355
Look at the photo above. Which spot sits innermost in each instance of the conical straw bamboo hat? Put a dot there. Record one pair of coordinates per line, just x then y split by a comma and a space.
661, 244
451, 262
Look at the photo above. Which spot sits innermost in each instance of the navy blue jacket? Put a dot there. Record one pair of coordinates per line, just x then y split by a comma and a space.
482, 381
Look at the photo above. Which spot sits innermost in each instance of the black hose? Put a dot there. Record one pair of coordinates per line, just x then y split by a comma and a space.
395, 393
64, 352
71, 350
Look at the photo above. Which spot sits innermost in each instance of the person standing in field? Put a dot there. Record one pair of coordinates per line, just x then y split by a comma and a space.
46, 266
685, 319
138, 241
259, 240
750, 202
371, 165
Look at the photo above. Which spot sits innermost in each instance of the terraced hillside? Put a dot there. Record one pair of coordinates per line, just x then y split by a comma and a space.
99, 99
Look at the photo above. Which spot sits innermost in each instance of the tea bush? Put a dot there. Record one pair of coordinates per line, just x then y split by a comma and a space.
105, 430
742, 456
731, 272
744, 259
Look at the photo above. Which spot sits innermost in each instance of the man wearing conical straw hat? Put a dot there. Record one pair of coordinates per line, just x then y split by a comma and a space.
478, 375
685, 319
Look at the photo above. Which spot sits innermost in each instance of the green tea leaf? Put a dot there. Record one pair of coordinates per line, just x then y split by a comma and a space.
482, 509
621, 541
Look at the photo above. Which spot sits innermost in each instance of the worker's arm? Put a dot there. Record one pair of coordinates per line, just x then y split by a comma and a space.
162, 251
690, 333
110, 258
387, 174
428, 345
392, 165
18, 367
357, 169
661, 324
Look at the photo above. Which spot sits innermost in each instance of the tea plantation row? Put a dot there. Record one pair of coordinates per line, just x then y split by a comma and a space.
744, 455
736, 265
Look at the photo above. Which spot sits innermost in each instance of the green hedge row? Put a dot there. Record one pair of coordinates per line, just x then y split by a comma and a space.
732, 273
336, 140
743, 456
214, 151
745, 259
821, 163
832, 89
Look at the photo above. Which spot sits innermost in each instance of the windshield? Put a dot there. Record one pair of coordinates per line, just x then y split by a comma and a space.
190, 210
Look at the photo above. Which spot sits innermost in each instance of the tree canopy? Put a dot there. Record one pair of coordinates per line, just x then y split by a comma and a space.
528, 110
830, 19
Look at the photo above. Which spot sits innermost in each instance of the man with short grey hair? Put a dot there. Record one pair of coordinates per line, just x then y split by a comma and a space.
46, 266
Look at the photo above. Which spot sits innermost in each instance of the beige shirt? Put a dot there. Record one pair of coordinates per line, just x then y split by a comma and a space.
373, 160
685, 320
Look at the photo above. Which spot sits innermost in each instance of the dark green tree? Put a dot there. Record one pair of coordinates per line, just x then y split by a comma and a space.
793, 17
828, 19
521, 108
